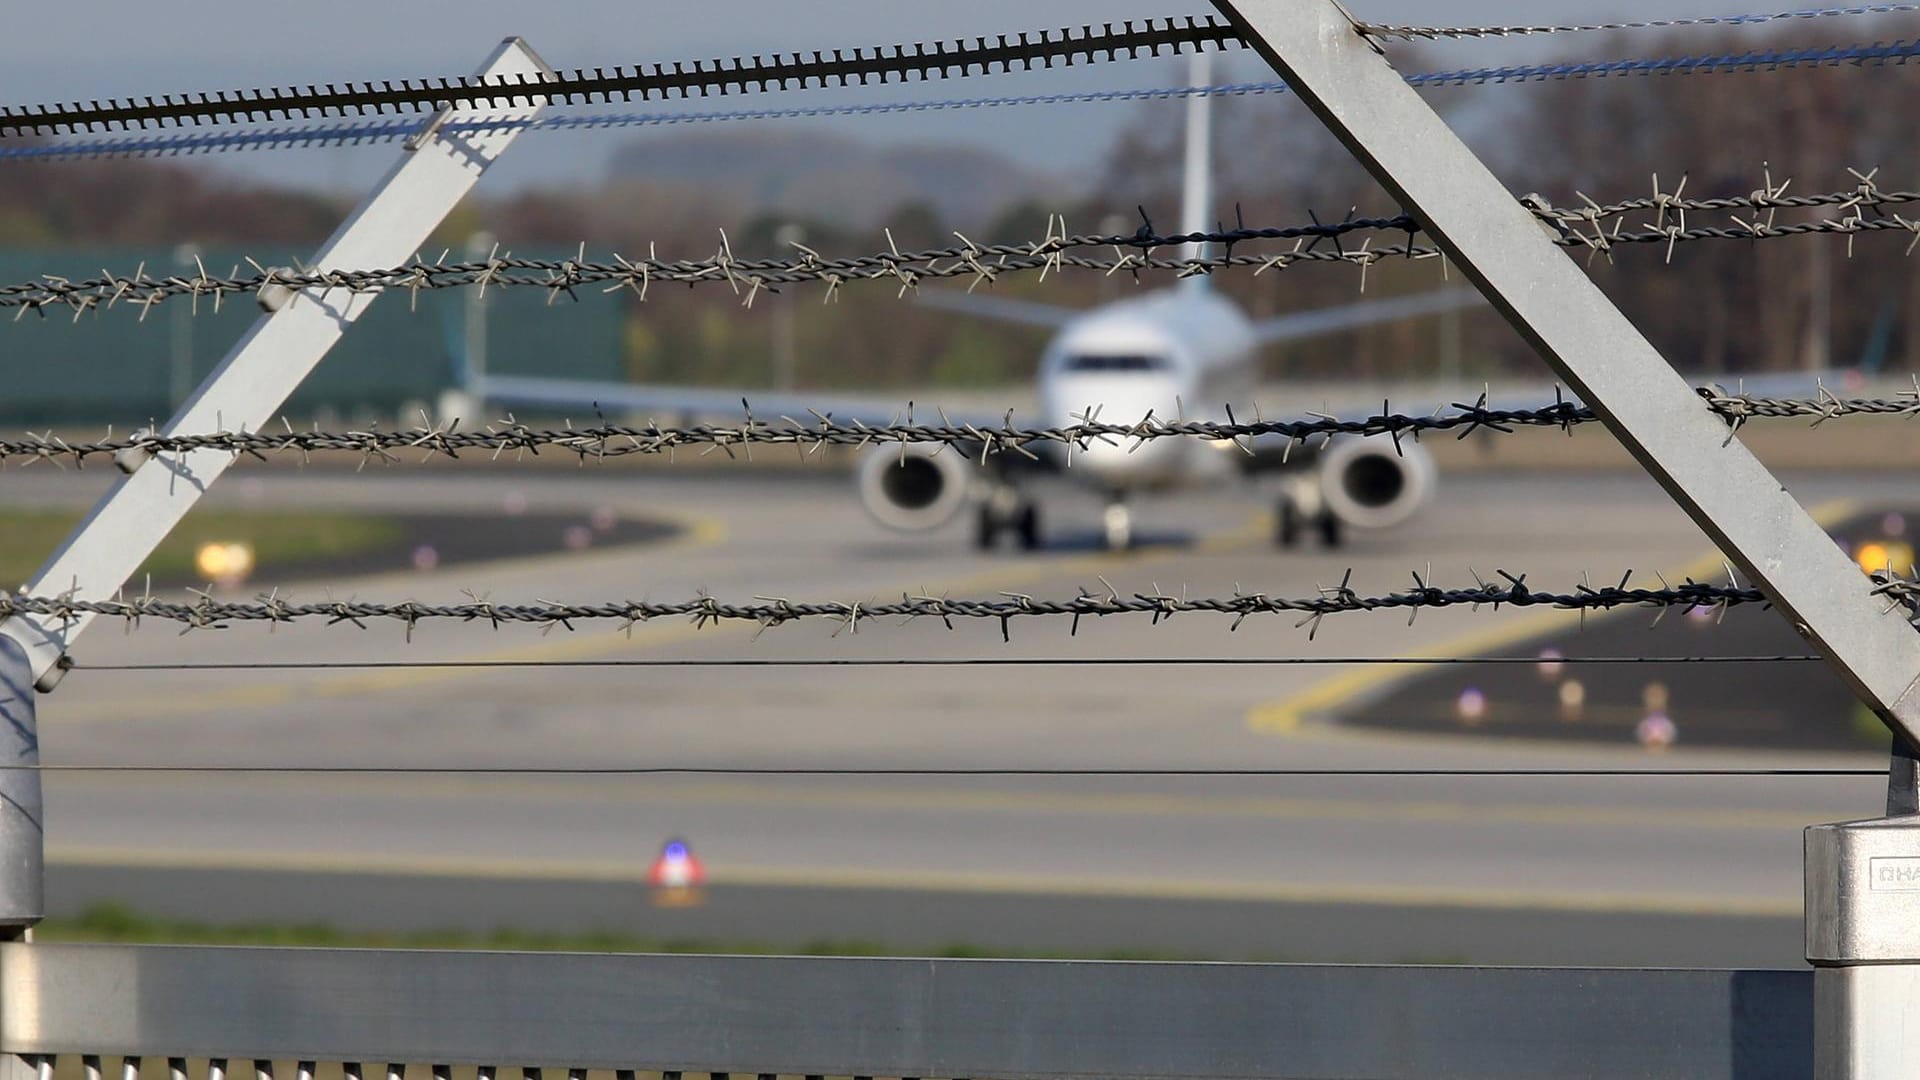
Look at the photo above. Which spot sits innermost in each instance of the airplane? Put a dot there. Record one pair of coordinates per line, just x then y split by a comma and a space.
1180, 351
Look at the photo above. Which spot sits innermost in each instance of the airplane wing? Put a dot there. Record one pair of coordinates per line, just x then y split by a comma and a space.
1001, 308
669, 403
1419, 401
1305, 324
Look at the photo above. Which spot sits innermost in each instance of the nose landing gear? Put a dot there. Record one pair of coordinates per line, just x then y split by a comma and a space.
1006, 510
1301, 508
1117, 526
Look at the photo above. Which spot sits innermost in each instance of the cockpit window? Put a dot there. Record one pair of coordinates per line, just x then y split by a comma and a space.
1096, 362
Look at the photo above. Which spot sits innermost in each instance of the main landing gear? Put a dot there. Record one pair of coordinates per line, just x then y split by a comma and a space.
1301, 508
1116, 526
1006, 510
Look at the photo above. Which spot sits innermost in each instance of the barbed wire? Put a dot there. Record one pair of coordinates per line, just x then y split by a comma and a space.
1597, 227
1819, 772
748, 276
603, 440
356, 132
1410, 33
70, 664
205, 612
842, 67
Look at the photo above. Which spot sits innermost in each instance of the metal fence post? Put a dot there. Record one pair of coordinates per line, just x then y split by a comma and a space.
438, 167
1543, 293
1862, 879
22, 840
1863, 938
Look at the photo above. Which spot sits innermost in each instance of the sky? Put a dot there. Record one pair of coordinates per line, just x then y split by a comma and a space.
111, 48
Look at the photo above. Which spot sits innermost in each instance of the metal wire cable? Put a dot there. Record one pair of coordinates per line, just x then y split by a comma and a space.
983, 442
1409, 33
1597, 227
204, 612
355, 132
926, 771
70, 664
842, 67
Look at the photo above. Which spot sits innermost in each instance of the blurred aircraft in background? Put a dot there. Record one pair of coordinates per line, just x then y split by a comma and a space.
1184, 351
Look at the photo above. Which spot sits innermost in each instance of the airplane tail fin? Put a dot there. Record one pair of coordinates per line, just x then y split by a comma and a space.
1196, 203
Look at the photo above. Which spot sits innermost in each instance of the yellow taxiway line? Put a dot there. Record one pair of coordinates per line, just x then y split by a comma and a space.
634, 872
1289, 716
701, 534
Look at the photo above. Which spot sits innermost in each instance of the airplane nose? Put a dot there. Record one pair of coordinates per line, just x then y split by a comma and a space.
1123, 459
1120, 461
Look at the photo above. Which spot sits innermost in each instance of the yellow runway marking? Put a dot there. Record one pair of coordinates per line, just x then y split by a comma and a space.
1289, 716
992, 801
701, 533
634, 871
999, 802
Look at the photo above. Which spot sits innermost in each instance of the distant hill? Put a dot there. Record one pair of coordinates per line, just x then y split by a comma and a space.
833, 176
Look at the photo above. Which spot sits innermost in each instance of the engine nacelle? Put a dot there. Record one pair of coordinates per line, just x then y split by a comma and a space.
1366, 483
914, 491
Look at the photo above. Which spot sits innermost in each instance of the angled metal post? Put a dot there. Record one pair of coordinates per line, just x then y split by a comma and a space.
435, 171
1323, 56
22, 839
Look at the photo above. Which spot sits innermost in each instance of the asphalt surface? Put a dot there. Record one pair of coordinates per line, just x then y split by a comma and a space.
1758, 705
1501, 869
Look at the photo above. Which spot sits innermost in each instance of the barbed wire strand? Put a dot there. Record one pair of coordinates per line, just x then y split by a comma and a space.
929, 662
205, 612
984, 443
1409, 33
1598, 227
357, 132
861, 66
927, 771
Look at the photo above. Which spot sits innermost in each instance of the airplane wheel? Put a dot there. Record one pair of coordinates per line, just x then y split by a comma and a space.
986, 527
1117, 525
1331, 533
1286, 530
1028, 526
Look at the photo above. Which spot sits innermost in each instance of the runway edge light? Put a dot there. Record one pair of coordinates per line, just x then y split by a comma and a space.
676, 877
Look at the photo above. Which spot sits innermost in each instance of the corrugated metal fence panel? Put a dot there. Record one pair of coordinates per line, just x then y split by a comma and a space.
918, 1018
114, 367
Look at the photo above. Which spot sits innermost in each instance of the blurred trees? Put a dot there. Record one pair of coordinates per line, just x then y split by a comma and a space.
151, 202
1721, 306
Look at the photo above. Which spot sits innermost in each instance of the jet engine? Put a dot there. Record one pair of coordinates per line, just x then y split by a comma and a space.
915, 490
1369, 484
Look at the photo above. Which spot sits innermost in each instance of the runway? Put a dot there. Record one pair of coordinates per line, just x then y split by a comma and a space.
1484, 869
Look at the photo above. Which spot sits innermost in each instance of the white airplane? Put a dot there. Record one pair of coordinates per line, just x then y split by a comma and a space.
1182, 351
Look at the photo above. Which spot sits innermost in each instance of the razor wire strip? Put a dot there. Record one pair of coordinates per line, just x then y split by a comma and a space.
1594, 226
843, 67
205, 612
974, 440
356, 132
1428, 33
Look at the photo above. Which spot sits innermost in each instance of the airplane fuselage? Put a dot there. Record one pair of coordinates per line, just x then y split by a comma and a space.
1181, 352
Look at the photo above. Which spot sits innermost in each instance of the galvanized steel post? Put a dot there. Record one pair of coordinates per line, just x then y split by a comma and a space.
435, 172
1863, 879
1498, 244
22, 839
1863, 938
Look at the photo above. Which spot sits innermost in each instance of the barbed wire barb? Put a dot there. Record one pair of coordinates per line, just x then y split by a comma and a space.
205, 611
1598, 227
